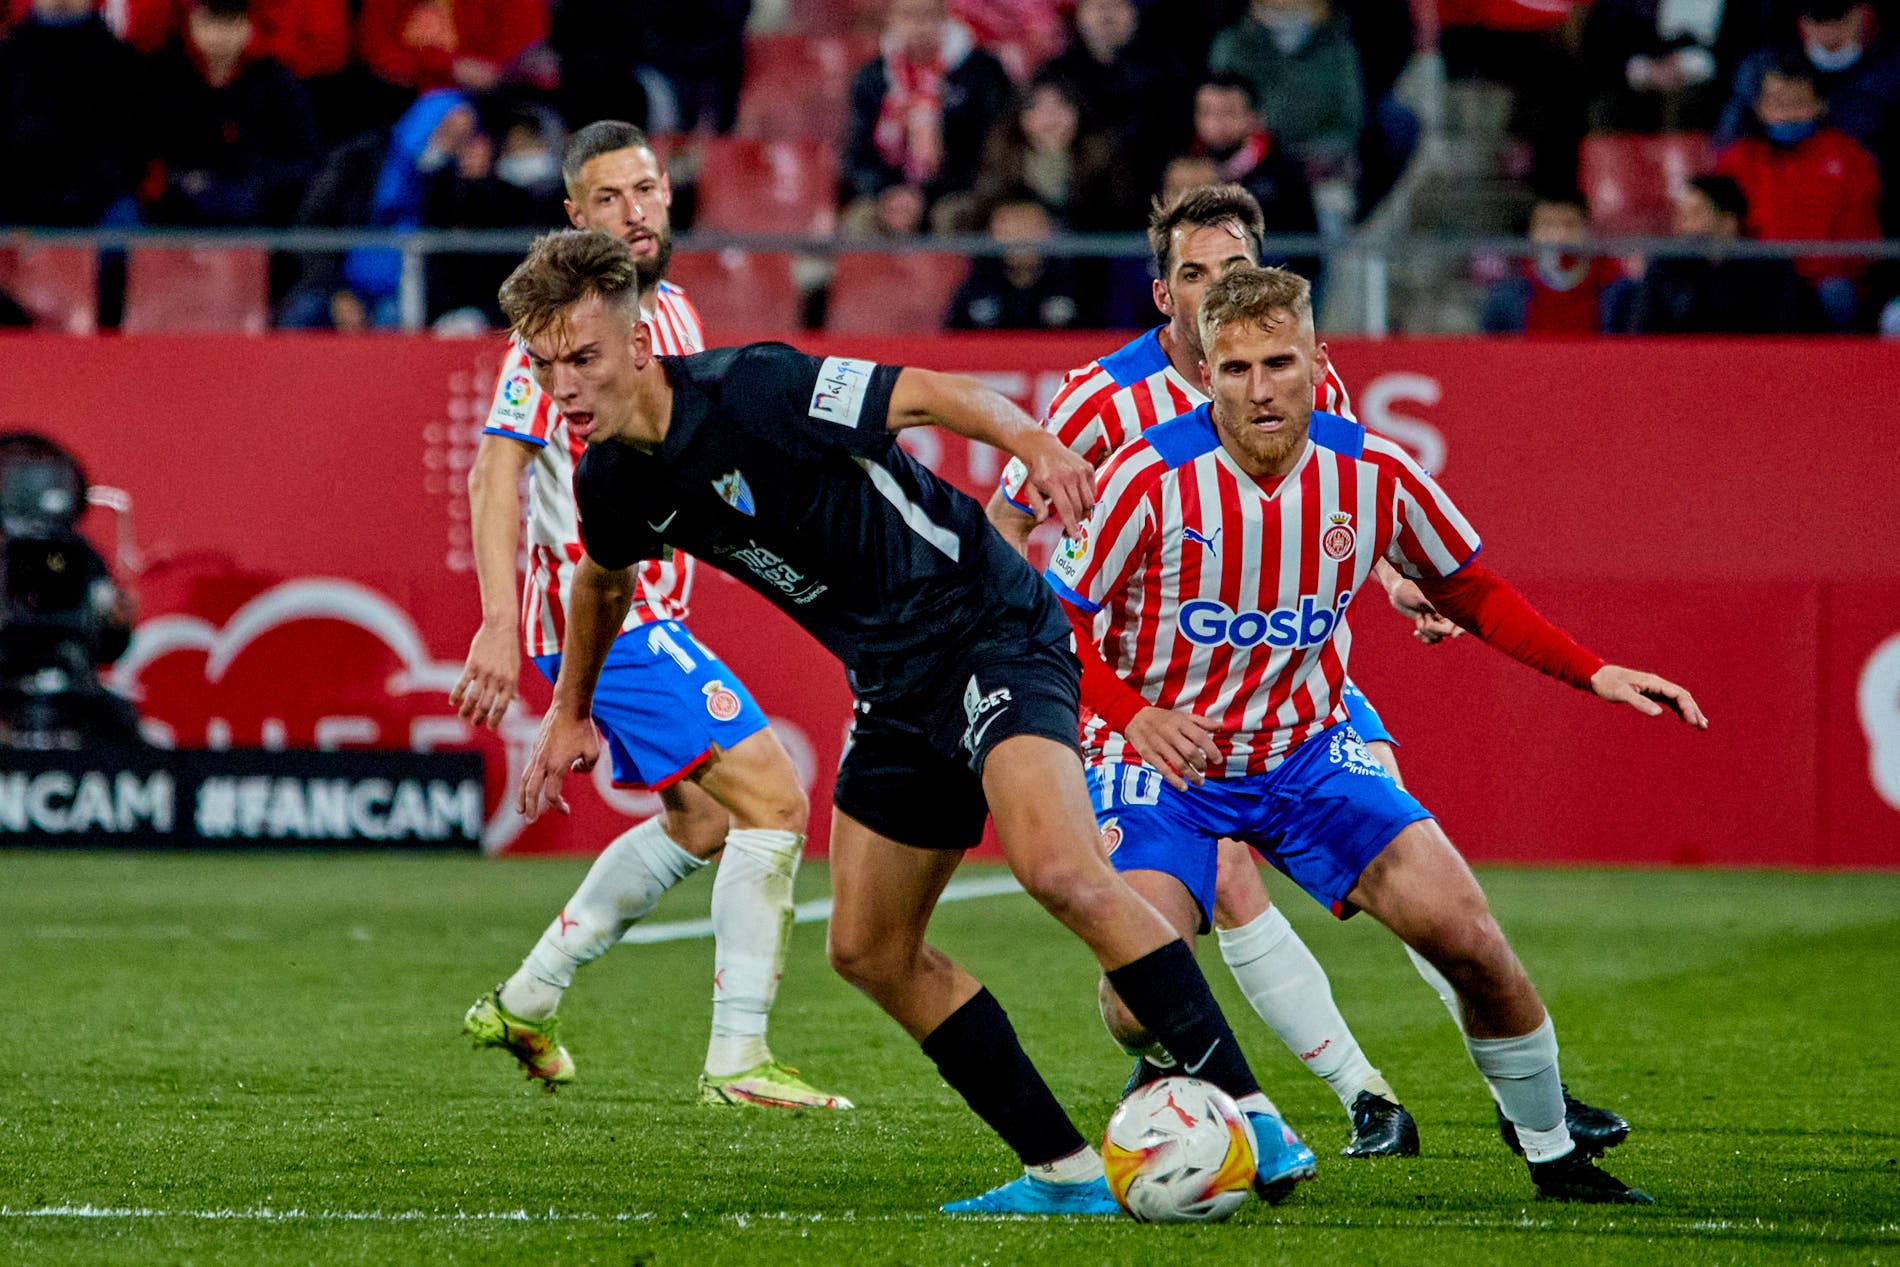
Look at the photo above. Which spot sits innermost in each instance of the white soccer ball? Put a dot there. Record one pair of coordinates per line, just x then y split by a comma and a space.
1180, 1151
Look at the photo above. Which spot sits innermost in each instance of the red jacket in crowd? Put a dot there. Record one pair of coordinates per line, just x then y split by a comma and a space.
306, 37
1827, 186
416, 43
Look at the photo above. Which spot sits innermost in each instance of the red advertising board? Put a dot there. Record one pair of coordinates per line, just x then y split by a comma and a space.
1696, 508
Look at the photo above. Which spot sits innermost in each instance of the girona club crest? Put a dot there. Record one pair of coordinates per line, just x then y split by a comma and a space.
1337, 541
721, 703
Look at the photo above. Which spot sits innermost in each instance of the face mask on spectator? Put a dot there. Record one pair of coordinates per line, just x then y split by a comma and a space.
1791, 133
532, 169
1832, 60
1288, 29
1560, 270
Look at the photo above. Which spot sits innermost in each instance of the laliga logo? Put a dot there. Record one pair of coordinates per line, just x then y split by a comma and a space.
1206, 623
1878, 701
515, 390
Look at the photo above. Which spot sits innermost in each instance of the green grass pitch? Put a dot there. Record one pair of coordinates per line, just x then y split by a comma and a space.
255, 1059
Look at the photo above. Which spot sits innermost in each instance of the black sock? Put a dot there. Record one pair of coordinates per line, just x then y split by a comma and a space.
1166, 992
976, 1051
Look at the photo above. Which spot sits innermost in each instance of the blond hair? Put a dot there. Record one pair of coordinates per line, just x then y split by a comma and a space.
1254, 294
561, 270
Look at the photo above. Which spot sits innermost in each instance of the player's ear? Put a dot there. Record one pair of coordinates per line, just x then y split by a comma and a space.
666, 188
1207, 378
1163, 300
1320, 361
573, 210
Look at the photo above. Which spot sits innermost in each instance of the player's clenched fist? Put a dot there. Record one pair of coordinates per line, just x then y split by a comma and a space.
489, 677
1646, 693
565, 742
1174, 741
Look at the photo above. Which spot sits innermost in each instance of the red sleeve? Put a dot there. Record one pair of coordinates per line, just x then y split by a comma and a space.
1106, 695
1484, 603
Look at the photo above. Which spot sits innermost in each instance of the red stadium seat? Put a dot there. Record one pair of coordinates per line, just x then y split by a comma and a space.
799, 86
57, 285
752, 186
739, 292
892, 294
178, 290
1631, 182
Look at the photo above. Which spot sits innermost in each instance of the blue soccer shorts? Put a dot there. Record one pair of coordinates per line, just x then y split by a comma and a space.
1320, 816
663, 703
1364, 717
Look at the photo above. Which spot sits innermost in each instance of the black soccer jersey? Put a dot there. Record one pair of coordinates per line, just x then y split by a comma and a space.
779, 469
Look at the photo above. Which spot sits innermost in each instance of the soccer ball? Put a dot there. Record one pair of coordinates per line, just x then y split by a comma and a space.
1179, 1151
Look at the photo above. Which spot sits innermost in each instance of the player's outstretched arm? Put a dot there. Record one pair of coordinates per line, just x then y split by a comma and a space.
1013, 524
1059, 482
1646, 693
493, 668
597, 604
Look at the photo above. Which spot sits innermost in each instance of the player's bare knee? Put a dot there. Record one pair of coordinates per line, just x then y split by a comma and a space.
1240, 897
698, 827
1071, 889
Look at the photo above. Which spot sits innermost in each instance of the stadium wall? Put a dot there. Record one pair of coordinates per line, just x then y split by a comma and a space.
1713, 511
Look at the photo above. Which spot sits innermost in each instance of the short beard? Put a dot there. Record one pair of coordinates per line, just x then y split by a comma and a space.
1269, 451
651, 269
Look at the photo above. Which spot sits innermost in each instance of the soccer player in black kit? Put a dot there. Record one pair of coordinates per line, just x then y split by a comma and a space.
783, 471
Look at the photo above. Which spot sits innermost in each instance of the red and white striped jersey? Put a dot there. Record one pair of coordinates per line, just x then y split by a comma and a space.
1219, 594
521, 412
1109, 402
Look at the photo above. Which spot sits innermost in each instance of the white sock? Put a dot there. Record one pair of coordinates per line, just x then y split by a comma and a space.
1289, 990
1079, 1166
752, 920
1441, 987
619, 890
1522, 1072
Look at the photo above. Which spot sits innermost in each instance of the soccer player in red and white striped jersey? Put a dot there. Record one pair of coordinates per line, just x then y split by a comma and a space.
1209, 594
720, 772
1197, 237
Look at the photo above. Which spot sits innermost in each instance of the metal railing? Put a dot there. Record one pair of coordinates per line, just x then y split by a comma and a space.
1369, 259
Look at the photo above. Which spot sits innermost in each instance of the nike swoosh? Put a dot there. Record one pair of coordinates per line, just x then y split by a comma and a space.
976, 736
661, 526
1195, 1068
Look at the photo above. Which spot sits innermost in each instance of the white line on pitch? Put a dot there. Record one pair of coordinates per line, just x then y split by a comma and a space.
819, 911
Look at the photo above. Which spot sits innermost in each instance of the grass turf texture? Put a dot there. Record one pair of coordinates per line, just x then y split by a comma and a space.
255, 1059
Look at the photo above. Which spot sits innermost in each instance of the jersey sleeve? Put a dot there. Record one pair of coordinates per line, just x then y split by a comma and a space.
606, 494
836, 402
1075, 418
1430, 536
1332, 395
1089, 572
519, 408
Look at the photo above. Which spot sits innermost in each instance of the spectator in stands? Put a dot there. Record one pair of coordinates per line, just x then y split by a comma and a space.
920, 113
1040, 146
1300, 58
1228, 129
1125, 87
692, 62
510, 183
1856, 73
465, 44
308, 38
1383, 34
1559, 290
1186, 171
1717, 293
235, 133
1029, 31
342, 195
1804, 178
71, 153
1530, 47
1658, 67
1023, 290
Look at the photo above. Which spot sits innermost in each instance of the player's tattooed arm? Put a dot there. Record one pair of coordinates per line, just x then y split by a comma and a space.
1059, 482
493, 668
597, 604
1014, 525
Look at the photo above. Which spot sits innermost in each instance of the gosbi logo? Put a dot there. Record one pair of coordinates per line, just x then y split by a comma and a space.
515, 390
1336, 542
720, 701
1207, 623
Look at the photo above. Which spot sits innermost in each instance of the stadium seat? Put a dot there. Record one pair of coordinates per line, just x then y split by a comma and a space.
57, 285
799, 86
892, 294
170, 290
751, 186
836, 17
739, 292
1631, 182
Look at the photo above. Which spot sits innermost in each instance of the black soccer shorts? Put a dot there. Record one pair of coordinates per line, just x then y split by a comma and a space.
912, 768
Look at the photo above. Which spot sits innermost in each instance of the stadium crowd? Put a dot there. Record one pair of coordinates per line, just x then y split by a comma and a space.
1022, 119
